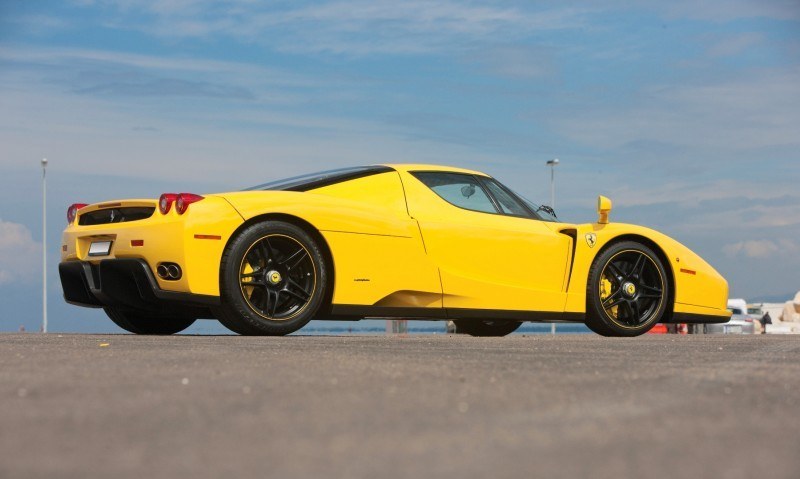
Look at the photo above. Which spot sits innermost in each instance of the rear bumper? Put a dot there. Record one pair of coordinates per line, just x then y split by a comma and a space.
123, 283
194, 240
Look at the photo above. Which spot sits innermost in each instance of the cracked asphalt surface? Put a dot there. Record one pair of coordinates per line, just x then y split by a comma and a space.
123, 406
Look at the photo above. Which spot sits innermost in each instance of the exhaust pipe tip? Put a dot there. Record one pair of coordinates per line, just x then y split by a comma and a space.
174, 271
162, 271
169, 271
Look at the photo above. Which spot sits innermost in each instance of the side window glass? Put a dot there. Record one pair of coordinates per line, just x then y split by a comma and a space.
457, 189
508, 203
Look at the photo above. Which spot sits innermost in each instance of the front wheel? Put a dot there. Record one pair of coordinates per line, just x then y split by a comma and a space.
138, 322
627, 292
486, 327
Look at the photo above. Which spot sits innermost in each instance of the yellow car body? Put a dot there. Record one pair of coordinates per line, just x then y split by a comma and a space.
397, 250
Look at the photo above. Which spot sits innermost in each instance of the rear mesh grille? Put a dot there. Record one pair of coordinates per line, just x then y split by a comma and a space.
116, 215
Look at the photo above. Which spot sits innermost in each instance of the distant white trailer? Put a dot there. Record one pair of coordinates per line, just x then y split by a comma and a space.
737, 306
740, 322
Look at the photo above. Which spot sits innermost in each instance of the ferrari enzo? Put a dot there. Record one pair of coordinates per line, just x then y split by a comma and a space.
384, 241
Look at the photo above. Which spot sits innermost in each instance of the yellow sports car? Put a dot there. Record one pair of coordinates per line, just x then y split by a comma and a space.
385, 241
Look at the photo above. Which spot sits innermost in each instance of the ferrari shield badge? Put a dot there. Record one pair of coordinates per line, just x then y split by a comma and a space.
591, 239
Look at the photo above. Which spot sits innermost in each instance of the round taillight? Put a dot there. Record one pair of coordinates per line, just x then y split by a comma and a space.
183, 201
165, 202
72, 211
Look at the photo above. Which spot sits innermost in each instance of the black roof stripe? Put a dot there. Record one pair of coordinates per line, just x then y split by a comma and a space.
323, 178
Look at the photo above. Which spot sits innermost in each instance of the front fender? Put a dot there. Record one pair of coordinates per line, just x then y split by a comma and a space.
698, 287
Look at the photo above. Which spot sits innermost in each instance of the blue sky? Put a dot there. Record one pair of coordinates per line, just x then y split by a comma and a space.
685, 113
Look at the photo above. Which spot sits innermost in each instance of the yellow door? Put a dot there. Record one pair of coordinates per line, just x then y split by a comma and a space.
488, 258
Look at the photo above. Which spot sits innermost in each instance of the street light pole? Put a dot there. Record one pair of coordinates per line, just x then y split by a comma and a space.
552, 164
44, 245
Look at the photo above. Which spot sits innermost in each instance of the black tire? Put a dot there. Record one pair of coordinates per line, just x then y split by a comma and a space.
486, 327
627, 292
288, 274
140, 322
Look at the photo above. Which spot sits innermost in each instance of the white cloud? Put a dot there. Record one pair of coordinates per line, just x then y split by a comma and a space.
366, 27
20, 255
728, 10
762, 248
690, 194
762, 110
352, 27
735, 44
515, 61
74, 58
87, 134
40, 24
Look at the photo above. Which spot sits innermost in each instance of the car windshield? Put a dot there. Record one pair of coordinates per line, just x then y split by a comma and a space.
319, 179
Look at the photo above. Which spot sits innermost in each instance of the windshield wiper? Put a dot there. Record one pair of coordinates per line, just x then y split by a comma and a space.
547, 209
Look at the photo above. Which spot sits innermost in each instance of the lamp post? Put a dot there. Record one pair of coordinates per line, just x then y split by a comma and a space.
552, 164
44, 245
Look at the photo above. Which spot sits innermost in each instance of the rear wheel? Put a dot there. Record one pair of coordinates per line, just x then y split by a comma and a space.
273, 280
486, 327
627, 292
140, 322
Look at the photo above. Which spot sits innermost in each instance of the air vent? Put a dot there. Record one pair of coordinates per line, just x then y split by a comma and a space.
116, 215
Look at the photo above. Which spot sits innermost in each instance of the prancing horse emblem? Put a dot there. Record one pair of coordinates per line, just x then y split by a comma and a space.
591, 239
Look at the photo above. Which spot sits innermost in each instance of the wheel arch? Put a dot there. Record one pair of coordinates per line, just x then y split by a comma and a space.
305, 226
661, 256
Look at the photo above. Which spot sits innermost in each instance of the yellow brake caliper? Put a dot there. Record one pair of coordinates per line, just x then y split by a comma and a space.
247, 270
605, 292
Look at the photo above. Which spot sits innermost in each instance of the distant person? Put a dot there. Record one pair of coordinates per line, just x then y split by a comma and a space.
791, 310
765, 320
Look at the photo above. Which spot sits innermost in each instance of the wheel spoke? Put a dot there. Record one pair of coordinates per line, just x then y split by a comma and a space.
614, 299
294, 259
635, 311
260, 299
265, 249
616, 272
651, 288
294, 289
251, 275
650, 295
616, 302
254, 260
637, 268
624, 311
274, 296
253, 283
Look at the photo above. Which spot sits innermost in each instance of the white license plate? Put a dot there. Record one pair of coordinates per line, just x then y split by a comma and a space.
100, 248
733, 329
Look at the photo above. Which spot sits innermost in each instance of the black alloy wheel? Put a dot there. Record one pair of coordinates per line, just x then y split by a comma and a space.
273, 280
486, 327
627, 290
277, 277
140, 322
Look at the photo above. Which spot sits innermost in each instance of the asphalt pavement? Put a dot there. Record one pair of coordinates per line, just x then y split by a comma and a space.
124, 406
